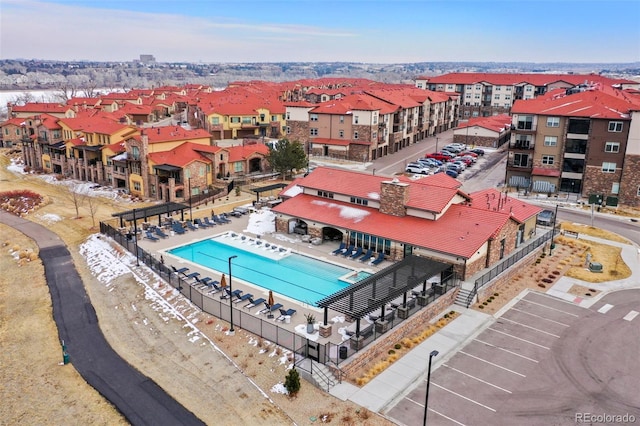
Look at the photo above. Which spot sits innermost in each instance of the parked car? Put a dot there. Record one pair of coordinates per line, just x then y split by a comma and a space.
451, 172
416, 168
455, 147
471, 153
478, 151
453, 166
467, 162
429, 162
545, 217
460, 163
439, 156
470, 158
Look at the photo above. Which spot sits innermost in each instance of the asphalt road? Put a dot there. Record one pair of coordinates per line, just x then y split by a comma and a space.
136, 396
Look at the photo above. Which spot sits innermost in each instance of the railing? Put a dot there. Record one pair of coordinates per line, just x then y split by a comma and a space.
506, 263
328, 353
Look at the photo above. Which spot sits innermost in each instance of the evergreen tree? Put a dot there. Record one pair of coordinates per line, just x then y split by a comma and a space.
292, 382
287, 156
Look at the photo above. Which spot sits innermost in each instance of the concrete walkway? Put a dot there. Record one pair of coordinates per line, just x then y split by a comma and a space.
387, 388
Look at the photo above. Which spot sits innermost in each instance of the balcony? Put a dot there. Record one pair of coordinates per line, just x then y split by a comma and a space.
522, 145
520, 164
525, 127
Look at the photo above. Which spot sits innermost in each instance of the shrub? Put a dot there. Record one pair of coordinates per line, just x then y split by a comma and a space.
292, 382
485, 303
496, 294
452, 312
446, 315
391, 352
481, 307
398, 346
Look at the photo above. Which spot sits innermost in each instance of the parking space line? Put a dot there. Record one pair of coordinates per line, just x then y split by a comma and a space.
549, 307
476, 378
630, 316
518, 338
491, 363
447, 417
605, 308
463, 397
528, 326
507, 351
541, 317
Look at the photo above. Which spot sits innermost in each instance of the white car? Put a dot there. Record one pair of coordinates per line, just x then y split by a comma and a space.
416, 168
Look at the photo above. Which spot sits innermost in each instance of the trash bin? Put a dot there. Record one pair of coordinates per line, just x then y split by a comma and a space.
65, 358
343, 352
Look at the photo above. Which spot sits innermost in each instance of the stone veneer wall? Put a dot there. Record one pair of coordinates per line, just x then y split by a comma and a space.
410, 327
597, 182
393, 198
630, 183
298, 131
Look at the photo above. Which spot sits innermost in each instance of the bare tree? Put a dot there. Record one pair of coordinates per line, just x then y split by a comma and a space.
76, 197
92, 206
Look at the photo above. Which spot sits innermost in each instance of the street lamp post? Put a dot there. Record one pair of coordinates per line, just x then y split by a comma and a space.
553, 230
231, 330
426, 398
190, 214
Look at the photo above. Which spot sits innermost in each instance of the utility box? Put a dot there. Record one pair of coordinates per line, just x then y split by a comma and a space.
595, 267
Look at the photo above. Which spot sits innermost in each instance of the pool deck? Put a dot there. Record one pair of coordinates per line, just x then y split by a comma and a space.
289, 241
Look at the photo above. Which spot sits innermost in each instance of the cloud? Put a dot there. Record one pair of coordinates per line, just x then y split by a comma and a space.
107, 34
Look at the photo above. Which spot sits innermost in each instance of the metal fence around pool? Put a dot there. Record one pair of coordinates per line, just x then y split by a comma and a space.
325, 353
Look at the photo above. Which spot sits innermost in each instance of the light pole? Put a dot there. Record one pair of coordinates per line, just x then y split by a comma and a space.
553, 230
231, 330
190, 215
426, 398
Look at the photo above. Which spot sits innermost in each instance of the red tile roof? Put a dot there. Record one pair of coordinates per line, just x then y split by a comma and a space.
180, 156
174, 133
493, 200
242, 153
461, 231
96, 124
591, 103
520, 78
496, 123
41, 107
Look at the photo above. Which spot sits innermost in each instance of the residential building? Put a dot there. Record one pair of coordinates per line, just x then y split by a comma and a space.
486, 94
492, 131
583, 142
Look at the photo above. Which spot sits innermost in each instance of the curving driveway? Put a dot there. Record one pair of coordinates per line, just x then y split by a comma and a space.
136, 396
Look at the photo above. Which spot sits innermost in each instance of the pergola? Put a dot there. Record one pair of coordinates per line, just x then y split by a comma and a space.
376, 291
267, 188
146, 212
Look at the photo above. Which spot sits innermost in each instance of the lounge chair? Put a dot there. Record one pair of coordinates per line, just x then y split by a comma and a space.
230, 294
192, 275
203, 281
220, 219
215, 288
285, 313
208, 222
191, 226
378, 259
347, 251
253, 303
200, 223
179, 271
356, 253
160, 233
243, 298
366, 256
177, 228
151, 237
339, 249
223, 217
269, 309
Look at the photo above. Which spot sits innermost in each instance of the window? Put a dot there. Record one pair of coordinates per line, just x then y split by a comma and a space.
615, 188
547, 160
313, 132
313, 117
467, 96
361, 201
201, 171
520, 160
288, 116
325, 194
246, 120
274, 118
468, 87
615, 126
612, 147
553, 121
496, 96
507, 97
529, 89
525, 122
237, 166
355, 135
136, 186
355, 119
135, 153
374, 135
288, 130
341, 119
235, 119
478, 87
187, 173
375, 118
608, 167
215, 120
341, 134
476, 96
498, 88
221, 157
550, 141
638, 192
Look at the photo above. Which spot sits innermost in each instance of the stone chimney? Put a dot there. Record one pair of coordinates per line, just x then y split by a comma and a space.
393, 197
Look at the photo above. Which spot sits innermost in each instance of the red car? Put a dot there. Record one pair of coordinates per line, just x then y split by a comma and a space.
441, 156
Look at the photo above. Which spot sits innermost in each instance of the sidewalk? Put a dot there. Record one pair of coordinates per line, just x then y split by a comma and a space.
386, 389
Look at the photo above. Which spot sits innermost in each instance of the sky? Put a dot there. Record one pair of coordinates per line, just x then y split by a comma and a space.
373, 31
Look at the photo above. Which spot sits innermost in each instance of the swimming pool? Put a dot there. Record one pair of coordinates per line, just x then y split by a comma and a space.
299, 277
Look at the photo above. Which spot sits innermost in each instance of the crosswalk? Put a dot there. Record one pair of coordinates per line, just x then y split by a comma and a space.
630, 316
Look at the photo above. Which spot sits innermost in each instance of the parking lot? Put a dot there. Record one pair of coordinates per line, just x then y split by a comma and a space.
544, 361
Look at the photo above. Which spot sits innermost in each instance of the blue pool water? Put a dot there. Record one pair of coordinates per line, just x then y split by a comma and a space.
296, 276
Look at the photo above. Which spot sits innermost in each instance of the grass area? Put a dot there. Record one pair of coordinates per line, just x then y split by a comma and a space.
593, 232
614, 267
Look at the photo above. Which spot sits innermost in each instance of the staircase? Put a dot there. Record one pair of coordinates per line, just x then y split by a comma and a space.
323, 377
462, 297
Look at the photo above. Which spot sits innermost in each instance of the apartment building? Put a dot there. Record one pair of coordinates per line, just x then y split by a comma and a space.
486, 94
582, 142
